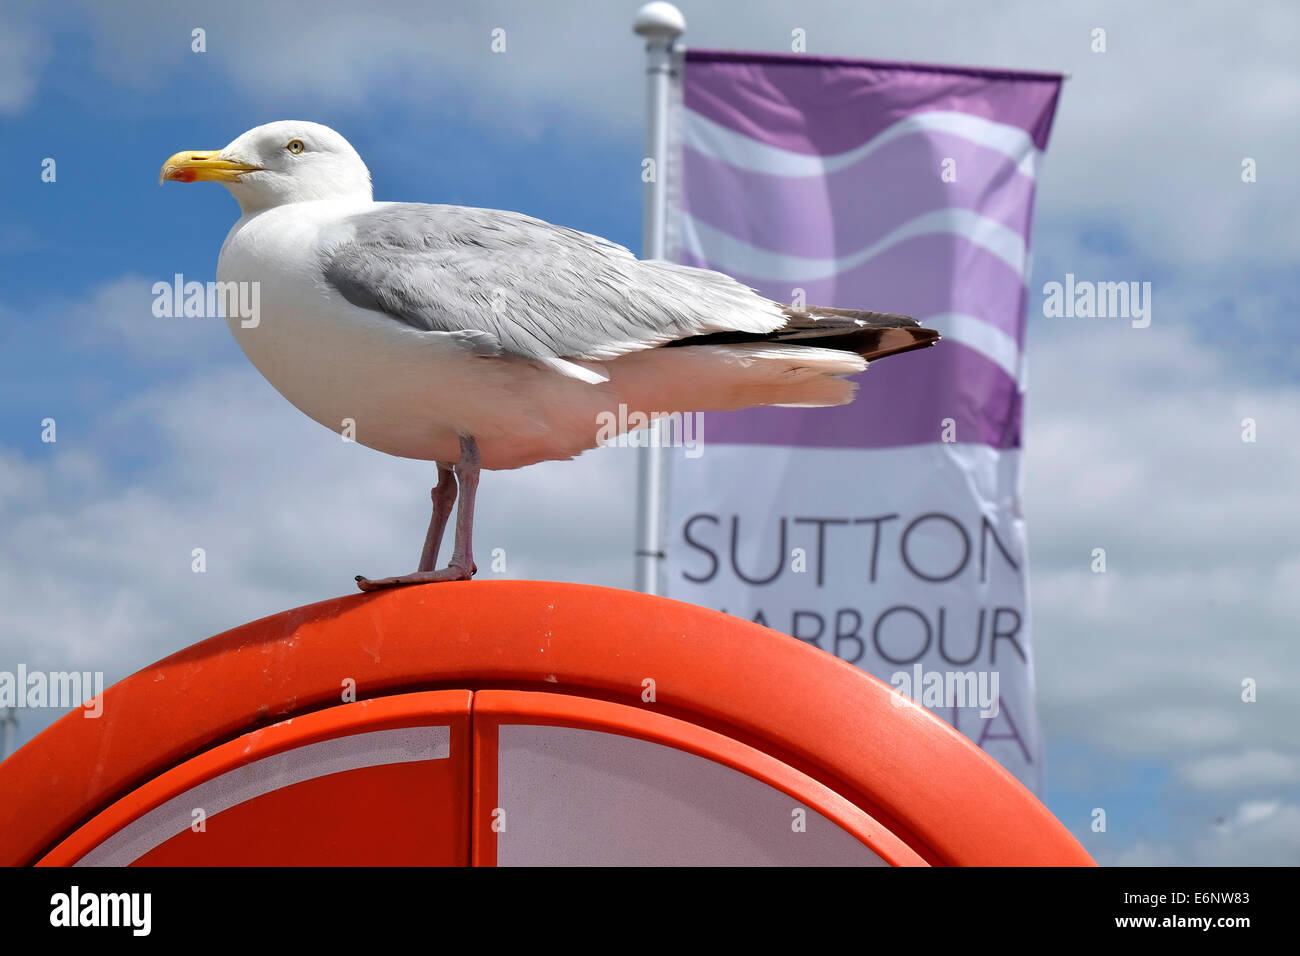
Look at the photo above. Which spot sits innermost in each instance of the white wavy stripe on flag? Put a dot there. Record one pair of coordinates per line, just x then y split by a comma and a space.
744, 152
735, 256
982, 337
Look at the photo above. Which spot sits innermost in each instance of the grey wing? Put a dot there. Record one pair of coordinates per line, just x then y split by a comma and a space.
507, 283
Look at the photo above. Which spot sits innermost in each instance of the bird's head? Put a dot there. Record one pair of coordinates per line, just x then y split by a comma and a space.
285, 162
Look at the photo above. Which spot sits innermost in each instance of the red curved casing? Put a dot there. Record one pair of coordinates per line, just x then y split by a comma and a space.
506, 679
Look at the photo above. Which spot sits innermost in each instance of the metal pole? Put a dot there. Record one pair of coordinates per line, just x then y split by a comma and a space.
10, 723
661, 24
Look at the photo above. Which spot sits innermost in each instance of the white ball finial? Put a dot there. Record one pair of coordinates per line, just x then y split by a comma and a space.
659, 21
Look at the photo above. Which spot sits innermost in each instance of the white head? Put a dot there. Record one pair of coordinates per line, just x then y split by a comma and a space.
285, 162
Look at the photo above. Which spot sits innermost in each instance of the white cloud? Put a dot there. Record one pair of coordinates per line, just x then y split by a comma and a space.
24, 50
1241, 769
1134, 445
1257, 832
1249, 813
1254, 833
119, 316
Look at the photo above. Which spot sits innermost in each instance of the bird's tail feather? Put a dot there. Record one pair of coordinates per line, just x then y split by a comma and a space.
804, 364
725, 377
872, 335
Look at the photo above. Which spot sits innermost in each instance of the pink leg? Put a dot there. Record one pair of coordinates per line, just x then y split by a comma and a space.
444, 496
462, 554
462, 567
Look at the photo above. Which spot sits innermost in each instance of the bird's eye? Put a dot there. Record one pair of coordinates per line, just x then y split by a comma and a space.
295, 146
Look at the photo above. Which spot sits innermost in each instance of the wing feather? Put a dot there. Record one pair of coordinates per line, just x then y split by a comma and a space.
508, 283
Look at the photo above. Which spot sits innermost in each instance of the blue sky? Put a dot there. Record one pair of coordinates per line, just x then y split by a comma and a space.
1133, 436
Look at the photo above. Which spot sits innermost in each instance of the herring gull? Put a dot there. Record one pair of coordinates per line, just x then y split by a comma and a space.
480, 338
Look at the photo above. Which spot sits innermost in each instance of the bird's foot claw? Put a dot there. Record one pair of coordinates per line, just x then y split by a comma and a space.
449, 573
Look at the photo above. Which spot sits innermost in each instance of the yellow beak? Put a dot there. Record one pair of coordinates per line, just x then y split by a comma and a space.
204, 164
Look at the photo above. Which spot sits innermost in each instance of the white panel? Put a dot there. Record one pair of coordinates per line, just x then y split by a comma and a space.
576, 797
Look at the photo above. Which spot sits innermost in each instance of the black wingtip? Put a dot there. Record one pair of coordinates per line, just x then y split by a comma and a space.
902, 340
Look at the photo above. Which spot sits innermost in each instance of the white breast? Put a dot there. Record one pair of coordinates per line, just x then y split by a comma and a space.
401, 391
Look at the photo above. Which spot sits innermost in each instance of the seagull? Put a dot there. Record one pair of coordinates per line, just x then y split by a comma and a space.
486, 339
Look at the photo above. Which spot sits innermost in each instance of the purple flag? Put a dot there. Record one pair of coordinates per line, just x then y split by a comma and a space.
888, 531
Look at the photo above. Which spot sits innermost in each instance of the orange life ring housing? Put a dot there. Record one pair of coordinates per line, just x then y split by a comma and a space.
512, 722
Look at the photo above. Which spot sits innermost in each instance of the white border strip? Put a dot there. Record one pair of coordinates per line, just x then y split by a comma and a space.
735, 256
719, 142
373, 749
974, 333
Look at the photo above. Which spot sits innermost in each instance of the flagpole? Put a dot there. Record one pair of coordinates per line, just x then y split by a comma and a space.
661, 24
10, 723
